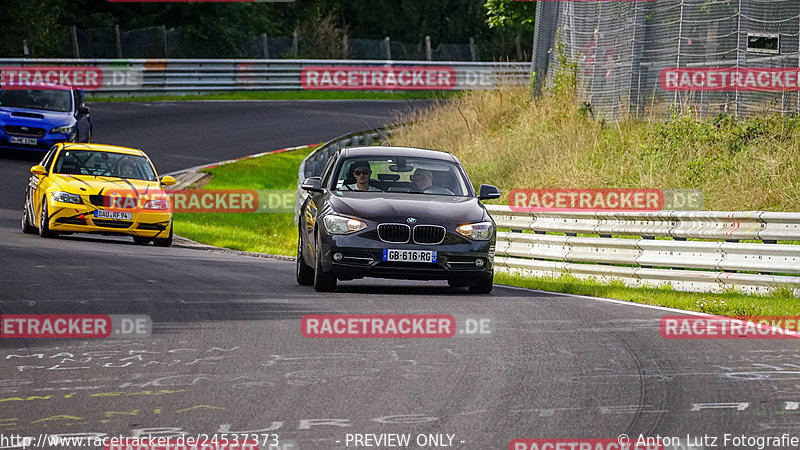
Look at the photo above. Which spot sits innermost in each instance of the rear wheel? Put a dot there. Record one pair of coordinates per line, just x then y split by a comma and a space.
483, 286
27, 228
305, 273
44, 223
323, 281
164, 242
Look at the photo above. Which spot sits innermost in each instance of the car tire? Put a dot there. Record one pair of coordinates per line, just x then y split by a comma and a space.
483, 286
139, 240
305, 273
323, 281
44, 223
27, 228
164, 242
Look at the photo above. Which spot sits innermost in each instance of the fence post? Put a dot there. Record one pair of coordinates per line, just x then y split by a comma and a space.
264, 45
518, 45
164, 39
118, 41
428, 48
473, 52
295, 46
75, 50
387, 47
345, 45
740, 56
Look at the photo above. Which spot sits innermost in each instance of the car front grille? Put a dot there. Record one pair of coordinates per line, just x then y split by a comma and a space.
16, 130
396, 233
112, 223
428, 234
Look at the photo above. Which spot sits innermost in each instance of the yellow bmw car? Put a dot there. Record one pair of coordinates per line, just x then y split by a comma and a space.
95, 188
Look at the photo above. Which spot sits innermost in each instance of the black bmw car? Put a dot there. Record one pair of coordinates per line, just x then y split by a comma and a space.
394, 212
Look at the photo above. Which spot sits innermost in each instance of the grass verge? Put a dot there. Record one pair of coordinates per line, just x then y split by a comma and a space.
288, 95
266, 233
780, 302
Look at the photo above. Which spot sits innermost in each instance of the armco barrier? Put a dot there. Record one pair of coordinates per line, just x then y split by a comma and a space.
131, 77
714, 260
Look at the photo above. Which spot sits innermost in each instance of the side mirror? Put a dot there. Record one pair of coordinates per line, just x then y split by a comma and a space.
38, 170
167, 180
313, 184
488, 192
83, 109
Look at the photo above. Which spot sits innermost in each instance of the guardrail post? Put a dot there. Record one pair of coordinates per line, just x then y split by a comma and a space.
164, 39
428, 47
264, 45
387, 47
473, 52
75, 49
118, 41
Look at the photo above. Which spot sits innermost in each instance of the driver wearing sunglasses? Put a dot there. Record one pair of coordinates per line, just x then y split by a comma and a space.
361, 171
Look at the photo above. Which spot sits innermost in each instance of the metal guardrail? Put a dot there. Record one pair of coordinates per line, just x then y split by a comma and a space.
131, 77
717, 261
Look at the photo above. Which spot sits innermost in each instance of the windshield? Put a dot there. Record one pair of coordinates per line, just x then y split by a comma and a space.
46, 99
400, 174
83, 162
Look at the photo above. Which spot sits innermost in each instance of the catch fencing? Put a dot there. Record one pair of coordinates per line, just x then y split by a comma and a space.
620, 51
132, 77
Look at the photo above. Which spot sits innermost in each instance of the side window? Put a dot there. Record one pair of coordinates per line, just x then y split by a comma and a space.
326, 174
76, 94
47, 161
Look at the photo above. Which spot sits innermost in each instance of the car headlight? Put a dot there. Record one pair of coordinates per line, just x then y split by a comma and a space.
481, 231
156, 203
342, 225
66, 129
66, 197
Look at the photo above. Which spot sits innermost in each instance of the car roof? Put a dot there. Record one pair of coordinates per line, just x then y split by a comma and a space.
386, 150
103, 148
38, 87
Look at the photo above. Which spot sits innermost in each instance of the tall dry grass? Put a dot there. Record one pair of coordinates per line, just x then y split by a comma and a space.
504, 138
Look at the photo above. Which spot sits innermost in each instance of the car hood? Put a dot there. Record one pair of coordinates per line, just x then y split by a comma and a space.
53, 118
398, 207
92, 185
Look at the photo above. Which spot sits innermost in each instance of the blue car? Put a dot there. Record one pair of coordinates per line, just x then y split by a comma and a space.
37, 117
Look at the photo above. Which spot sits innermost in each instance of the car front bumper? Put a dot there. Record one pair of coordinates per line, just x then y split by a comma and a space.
362, 257
79, 218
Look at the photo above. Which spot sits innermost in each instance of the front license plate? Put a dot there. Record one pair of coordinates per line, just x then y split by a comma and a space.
426, 256
23, 140
116, 215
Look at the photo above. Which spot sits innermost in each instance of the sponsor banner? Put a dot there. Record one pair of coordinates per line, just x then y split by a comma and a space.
88, 78
739, 327
201, 201
378, 326
583, 444
524, 200
378, 78
75, 326
730, 79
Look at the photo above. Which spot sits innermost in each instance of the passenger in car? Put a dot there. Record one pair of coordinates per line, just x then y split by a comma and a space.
361, 171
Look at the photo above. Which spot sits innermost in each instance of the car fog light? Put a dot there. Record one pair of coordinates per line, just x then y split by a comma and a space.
479, 262
337, 256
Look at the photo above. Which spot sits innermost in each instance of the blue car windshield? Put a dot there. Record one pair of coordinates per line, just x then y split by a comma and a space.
45, 99
107, 164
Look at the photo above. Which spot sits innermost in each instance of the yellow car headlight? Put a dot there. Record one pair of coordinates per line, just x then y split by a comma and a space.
66, 197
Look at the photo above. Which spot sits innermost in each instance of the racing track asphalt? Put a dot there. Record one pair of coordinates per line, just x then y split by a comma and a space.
227, 355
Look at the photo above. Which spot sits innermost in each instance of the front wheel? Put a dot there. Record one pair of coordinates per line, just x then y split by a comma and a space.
164, 242
323, 281
305, 273
483, 286
27, 228
44, 223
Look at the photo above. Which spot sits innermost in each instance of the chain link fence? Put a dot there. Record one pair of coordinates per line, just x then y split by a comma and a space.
160, 42
637, 58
